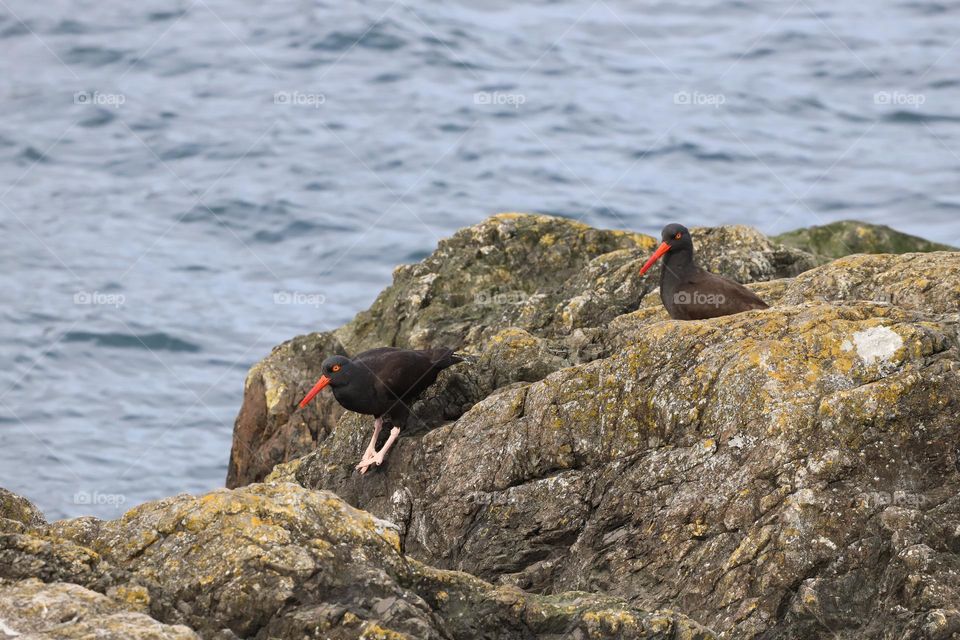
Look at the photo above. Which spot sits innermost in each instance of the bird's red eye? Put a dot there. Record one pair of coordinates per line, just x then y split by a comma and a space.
679, 235
335, 368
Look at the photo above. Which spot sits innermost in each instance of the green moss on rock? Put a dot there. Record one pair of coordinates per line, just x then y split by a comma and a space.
846, 237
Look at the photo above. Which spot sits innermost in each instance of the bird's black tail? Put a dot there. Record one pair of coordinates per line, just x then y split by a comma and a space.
444, 358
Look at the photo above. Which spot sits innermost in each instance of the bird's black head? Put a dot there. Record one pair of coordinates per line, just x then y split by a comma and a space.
676, 235
335, 371
675, 239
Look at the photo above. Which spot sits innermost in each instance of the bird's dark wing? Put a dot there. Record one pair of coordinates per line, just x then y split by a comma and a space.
707, 295
374, 355
398, 373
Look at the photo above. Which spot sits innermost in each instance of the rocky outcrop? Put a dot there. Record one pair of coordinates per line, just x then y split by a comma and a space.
557, 280
18, 514
790, 472
278, 562
846, 237
774, 471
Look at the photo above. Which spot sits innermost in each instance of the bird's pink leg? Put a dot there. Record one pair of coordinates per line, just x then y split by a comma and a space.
378, 457
372, 447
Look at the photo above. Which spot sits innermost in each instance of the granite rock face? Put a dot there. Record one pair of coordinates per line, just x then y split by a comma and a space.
280, 562
784, 473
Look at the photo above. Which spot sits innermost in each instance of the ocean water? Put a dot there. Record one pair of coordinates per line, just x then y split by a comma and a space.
185, 183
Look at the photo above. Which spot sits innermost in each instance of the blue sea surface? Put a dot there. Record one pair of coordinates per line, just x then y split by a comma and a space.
186, 183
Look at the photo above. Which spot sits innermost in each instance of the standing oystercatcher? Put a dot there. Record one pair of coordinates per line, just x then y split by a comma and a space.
383, 383
689, 292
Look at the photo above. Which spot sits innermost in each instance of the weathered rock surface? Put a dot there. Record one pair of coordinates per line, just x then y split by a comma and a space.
18, 514
846, 237
558, 280
770, 471
785, 473
280, 562
33, 610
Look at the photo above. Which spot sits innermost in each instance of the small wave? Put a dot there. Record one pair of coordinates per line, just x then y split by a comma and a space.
759, 52
375, 38
92, 56
292, 230
691, 149
915, 117
13, 29
161, 16
98, 118
925, 8
234, 212
31, 154
181, 151
386, 78
319, 185
70, 27
147, 341
945, 84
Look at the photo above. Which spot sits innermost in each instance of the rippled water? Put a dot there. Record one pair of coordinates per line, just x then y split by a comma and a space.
185, 184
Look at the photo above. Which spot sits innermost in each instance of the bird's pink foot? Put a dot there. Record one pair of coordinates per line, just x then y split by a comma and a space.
378, 456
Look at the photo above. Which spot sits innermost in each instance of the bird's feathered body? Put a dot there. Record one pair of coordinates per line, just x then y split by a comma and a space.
383, 383
696, 294
387, 380
690, 292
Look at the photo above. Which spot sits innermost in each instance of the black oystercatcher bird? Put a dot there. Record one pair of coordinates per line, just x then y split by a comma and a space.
690, 293
382, 383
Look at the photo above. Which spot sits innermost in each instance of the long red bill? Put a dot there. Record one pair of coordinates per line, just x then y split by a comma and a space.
321, 383
662, 249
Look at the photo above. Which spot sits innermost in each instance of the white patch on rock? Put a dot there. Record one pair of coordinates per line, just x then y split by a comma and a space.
740, 441
876, 344
380, 526
7, 631
827, 542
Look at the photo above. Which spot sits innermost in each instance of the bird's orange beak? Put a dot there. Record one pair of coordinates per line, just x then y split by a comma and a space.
662, 249
321, 383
